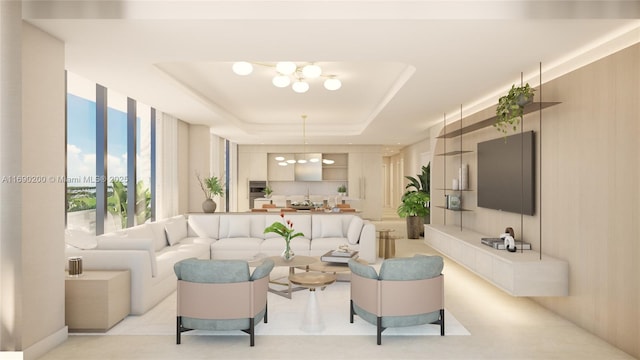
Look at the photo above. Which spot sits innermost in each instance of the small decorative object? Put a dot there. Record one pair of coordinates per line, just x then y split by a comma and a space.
454, 184
510, 106
211, 186
286, 230
342, 189
267, 192
454, 202
75, 266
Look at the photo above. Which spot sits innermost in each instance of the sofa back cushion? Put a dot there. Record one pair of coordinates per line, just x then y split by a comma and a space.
204, 226
176, 229
241, 226
330, 225
123, 241
152, 230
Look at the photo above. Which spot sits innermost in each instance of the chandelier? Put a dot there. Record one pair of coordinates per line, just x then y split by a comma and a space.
289, 73
304, 157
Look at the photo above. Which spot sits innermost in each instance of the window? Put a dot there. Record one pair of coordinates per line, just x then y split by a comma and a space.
97, 193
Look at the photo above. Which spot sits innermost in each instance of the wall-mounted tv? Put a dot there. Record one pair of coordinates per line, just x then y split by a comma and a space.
506, 173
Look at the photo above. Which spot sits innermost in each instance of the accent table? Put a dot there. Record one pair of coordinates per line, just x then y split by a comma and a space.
97, 300
297, 261
312, 319
386, 244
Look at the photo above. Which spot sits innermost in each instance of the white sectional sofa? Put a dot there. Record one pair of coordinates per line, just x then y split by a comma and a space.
150, 250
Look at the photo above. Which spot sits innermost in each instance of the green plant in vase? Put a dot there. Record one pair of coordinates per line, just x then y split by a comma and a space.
510, 107
285, 229
267, 191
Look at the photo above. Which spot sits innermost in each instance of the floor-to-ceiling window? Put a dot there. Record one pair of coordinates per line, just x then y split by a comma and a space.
109, 158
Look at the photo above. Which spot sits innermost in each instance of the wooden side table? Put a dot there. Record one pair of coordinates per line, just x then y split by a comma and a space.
386, 244
97, 300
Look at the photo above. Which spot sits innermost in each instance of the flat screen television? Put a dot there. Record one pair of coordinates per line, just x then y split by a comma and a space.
506, 173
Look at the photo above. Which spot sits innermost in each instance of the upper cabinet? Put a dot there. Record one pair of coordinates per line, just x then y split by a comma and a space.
335, 167
279, 172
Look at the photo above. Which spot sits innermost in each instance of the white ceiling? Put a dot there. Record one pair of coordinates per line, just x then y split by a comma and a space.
403, 64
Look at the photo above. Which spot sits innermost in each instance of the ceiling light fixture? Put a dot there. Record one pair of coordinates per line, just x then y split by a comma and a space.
304, 157
289, 73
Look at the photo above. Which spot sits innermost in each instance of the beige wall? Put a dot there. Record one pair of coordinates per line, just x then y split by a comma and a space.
32, 257
590, 200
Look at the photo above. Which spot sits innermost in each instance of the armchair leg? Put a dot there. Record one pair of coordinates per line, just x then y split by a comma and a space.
379, 330
178, 328
251, 332
441, 322
351, 311
266, 312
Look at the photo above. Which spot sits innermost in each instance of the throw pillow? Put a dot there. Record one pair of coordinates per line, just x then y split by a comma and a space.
355, 227
331, 226
176, 230
80, 239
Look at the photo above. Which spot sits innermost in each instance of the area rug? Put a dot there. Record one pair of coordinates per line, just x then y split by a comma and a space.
285, 318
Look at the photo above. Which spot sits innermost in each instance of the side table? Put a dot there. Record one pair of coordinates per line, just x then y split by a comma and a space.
97, 300
292, 264
386, 244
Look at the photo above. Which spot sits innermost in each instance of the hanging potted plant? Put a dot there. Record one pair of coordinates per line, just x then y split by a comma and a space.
510, 107
414, 208
211, 186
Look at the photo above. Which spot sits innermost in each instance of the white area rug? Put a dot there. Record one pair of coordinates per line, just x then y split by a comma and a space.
285, 318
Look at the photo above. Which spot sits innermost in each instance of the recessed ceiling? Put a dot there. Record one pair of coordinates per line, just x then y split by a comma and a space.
403, 64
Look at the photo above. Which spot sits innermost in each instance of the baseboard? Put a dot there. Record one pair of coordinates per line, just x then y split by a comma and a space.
45, 345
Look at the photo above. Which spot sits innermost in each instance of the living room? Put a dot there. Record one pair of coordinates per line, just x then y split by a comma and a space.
588, 145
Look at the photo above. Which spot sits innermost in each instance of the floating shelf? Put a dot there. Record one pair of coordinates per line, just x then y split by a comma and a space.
455, 152
446, 208
529, 108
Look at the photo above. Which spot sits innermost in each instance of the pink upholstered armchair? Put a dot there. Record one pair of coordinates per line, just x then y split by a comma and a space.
221, 295
407, 292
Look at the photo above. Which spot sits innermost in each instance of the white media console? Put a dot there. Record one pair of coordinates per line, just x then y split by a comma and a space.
519, 273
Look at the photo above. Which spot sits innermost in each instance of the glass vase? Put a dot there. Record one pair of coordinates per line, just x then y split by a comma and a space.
287, 254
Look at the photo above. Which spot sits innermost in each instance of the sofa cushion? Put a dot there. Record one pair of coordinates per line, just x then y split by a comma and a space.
152, 230
204, 226
80, 239
331, 226
238, 226
355, 227
176, 230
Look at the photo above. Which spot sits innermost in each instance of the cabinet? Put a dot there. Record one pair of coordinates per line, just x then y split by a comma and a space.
338, 171
365, 183
277, 172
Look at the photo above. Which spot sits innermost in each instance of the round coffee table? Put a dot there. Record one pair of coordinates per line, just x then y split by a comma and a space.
312, 319
297, 261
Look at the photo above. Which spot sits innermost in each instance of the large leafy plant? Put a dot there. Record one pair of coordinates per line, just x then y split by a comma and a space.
117, 203
510, 107
421, 182
414, 204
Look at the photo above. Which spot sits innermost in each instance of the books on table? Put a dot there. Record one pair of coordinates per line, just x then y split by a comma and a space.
339, 256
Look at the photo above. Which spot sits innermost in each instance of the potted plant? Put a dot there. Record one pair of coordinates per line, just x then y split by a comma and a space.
510, 106
211, 186
414, 208
342, 189
267, 192
422, 182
